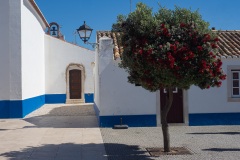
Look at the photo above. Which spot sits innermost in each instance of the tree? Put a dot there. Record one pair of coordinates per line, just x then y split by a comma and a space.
167, 49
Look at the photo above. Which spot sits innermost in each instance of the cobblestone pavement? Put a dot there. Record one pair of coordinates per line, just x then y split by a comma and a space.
53, 132
206, 143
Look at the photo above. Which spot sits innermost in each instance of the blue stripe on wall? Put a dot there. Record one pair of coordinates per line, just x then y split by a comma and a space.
214, 119
21, 108
55, 98
89, 97
15, 109
130, 120
61, 98
4, 109
31, 104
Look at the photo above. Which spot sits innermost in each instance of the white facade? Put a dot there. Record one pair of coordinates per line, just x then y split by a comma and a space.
214, 100
114, 96
32, 51
33, 65
58, 56
116, 99
10, 60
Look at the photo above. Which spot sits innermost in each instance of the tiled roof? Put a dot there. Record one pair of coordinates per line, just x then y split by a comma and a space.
229, 43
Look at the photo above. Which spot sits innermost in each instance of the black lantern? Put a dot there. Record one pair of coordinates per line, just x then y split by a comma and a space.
84, 32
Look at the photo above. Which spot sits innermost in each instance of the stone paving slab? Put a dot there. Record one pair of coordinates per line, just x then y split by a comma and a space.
205, 142
53, 132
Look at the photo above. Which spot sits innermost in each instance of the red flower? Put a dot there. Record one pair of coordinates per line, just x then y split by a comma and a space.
218, 84
214, 45
199, 48
219, 63
223, 77
204, 63
165, 32
216, 39
140, 51
191, 54
173, 47
182, 25
162, 25
150, 51
207, 37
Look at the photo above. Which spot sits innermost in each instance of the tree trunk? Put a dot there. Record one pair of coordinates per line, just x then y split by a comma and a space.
164, 112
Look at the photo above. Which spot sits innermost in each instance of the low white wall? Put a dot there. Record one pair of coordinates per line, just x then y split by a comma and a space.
33, 62
117, 96
4, 51
58, 55
213, 100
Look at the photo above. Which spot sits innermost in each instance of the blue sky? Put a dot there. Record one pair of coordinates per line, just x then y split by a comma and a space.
101, 14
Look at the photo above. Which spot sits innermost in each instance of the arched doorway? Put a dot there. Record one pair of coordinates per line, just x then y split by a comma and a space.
75, 83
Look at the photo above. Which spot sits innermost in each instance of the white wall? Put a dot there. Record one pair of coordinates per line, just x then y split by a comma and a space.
4, 51
213, 100
10, 52
117, 96
33, 66
58, 55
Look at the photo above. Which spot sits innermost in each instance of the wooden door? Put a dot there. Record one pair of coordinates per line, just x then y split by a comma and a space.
175, 115
75, 84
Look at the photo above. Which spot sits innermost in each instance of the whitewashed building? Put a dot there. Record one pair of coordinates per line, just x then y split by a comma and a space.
116, 99
37, 67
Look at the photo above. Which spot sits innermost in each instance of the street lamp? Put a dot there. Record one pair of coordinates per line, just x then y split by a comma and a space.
84, 32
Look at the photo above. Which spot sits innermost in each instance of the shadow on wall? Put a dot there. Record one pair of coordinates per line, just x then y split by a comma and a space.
69, 116
82, 151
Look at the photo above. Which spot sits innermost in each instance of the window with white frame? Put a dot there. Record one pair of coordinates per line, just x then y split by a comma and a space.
236, 83
233, 83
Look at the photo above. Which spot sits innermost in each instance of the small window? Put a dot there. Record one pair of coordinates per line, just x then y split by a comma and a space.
236, 83
233, 83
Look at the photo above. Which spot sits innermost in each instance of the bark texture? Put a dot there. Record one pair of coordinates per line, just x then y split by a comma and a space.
164, 113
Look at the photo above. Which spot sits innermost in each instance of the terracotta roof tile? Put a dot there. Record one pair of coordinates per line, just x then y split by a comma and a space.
229, 43
117, 49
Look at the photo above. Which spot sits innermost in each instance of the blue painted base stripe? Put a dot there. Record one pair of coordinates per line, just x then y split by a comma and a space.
15, 109
131, 120
214, 119
55, 98
21, 108
89, 97
4, 109
31, 104
61, 98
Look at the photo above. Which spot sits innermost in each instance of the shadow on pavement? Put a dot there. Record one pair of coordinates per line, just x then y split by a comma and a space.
125, 152
222, 149
227, 133
70, 151
71, 116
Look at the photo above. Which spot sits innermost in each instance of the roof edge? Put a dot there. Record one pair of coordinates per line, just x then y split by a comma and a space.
35, 6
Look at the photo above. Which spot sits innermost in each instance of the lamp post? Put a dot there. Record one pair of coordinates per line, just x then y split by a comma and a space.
84, 32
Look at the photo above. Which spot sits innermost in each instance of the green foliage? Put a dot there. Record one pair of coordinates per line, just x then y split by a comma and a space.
170, 48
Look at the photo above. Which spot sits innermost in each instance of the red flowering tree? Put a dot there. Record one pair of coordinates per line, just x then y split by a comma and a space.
168, 49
